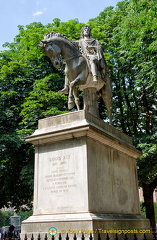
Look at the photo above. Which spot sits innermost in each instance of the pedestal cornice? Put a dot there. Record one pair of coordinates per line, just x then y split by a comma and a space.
81, 124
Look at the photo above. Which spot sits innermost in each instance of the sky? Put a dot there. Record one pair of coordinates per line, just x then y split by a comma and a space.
23, 12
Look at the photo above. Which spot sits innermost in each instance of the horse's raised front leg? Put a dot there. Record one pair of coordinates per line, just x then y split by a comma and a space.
73, 90
65, 90
80, 79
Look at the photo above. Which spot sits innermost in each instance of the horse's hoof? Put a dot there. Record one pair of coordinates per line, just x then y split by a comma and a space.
71, 105
63, 91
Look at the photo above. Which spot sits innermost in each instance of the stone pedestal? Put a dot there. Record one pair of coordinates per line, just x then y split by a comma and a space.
85, 177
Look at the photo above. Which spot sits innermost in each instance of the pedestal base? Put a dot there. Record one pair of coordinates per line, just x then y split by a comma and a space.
85, 178
88, 223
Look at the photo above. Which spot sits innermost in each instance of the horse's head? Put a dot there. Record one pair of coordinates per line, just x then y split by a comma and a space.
53, 51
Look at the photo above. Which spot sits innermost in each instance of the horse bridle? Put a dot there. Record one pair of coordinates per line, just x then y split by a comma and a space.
66, 59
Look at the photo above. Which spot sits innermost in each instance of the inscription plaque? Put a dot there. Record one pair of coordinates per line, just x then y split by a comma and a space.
58, 177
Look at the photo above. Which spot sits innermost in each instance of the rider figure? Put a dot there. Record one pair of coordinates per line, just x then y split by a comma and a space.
93, 51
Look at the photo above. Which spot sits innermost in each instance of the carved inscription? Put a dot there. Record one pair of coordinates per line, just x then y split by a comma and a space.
61, 178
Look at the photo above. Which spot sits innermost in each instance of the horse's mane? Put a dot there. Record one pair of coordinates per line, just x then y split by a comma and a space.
51, 35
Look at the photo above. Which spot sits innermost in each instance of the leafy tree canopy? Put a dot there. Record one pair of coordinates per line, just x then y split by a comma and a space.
29, 86
28, 92
128, 33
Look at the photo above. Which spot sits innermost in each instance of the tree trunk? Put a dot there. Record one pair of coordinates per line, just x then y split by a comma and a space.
148, 190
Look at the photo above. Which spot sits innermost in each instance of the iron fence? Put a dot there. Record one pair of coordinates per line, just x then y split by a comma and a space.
83, 237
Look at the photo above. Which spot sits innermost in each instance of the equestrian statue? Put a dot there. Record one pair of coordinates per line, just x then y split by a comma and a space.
85, 69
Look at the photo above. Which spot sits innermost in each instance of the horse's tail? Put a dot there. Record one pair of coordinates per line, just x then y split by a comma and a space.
107, 97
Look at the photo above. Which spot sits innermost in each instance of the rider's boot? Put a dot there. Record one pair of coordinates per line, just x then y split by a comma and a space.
65, 90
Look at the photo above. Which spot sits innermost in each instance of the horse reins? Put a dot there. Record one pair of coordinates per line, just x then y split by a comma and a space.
65, 59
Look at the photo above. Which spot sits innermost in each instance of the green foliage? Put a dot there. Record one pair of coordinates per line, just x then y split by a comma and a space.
29, 85
42, 101
5, 218
24, 214
70, 29
149, 156
128, 33
143, 210
28, 92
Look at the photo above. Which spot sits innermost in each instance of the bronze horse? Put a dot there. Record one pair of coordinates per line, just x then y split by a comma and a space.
77, 72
